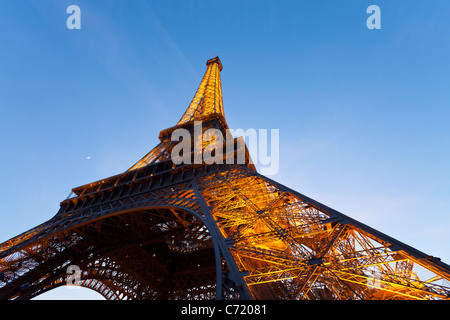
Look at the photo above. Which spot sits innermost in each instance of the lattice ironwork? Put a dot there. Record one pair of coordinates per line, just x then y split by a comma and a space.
194, 230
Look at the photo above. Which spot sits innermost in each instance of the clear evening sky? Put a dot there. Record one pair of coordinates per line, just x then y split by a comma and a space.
364, 115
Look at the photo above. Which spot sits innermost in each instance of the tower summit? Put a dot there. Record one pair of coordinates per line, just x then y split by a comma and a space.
208, 98
207, 101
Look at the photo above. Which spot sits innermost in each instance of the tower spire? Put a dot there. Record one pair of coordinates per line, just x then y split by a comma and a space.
207, 101
208, 98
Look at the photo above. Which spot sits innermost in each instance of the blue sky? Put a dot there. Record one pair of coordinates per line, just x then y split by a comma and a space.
364, 115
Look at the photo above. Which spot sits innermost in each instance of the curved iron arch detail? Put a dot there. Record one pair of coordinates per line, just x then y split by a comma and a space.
69, 237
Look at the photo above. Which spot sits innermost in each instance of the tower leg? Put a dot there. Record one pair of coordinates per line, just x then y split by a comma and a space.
235, 275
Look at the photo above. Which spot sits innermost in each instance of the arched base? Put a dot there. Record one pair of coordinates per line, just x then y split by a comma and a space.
149, 253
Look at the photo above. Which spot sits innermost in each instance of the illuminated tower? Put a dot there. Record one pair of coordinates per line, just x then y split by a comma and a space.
196, 230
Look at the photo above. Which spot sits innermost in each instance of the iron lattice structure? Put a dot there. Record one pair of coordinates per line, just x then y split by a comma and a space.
163, 230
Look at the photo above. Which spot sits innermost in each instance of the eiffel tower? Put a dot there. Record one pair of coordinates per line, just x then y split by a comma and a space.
166, 229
